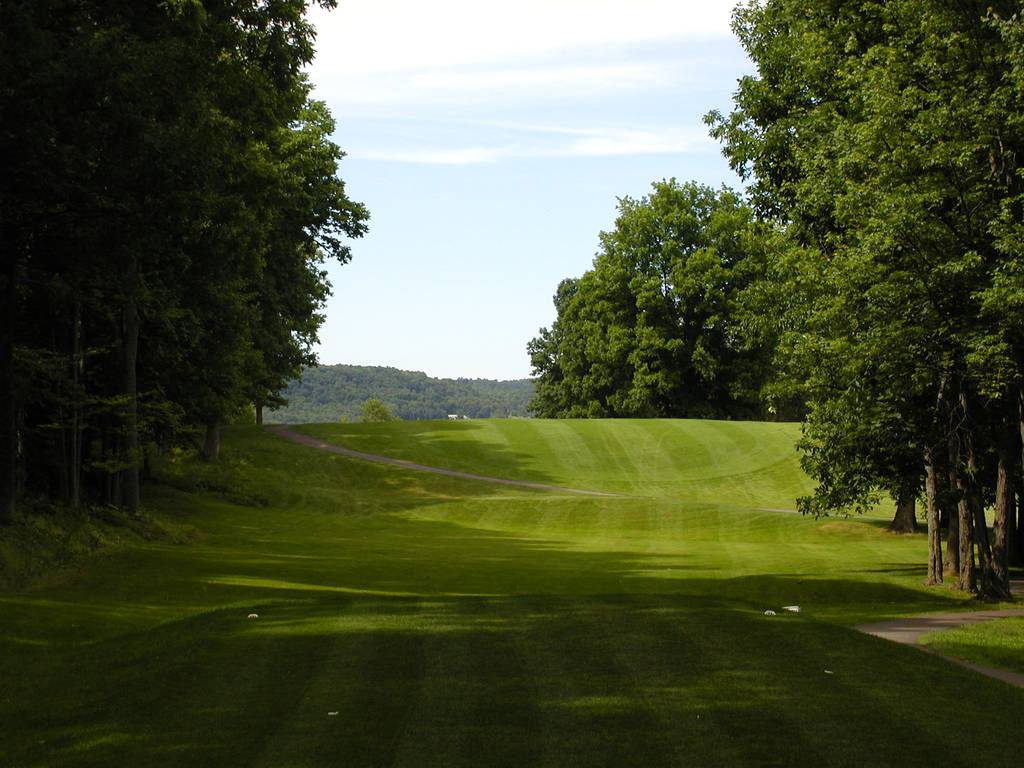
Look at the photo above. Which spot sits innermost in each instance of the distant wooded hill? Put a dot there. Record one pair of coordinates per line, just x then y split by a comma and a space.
330, 392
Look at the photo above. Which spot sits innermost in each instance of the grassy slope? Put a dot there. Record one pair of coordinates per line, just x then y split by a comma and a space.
743, 463
449, 622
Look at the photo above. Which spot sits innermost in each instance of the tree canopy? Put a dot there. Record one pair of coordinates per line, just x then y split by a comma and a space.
884, 139
373, 410
652, 328
171, 197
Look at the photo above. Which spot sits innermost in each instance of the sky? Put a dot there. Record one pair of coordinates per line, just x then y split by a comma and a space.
490, 142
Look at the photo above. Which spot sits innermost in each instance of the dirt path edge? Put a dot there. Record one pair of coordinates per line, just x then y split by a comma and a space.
297, 437
908, 631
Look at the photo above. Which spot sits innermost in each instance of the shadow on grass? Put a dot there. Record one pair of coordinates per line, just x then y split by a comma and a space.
523, 680
260, 469
386, 639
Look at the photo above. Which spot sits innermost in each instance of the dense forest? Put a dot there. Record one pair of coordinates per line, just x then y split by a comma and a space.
333, 392
871, 280
169, 197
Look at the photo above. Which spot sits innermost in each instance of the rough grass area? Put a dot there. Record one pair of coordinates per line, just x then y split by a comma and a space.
44, 541
419, 620
997, 643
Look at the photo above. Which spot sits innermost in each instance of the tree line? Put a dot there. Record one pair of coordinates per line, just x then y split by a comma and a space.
655, 327
870, 280
332, 392
170, 196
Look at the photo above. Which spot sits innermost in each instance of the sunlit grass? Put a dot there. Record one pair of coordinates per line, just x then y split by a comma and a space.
735, 462
997, 643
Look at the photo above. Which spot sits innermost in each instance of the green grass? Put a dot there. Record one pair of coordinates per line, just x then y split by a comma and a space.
997, 643
452, 622
735, 462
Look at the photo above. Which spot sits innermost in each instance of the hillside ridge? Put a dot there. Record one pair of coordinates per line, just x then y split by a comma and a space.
329, 393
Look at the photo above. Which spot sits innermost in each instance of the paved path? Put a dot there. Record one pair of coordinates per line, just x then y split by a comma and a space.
297, 437
908, 631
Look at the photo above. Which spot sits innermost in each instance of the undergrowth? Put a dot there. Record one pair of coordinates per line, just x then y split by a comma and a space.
45, 541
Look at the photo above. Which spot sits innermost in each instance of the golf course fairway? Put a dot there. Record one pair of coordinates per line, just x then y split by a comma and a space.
308, 609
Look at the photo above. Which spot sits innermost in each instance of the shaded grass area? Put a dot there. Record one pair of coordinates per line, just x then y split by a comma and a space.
447, 622
526, 681
43, 541
997, 643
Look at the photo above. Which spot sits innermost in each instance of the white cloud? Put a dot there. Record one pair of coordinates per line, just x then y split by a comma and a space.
488, 84
374, 36
396, 73
555, 77
640, 143
456, 156
571, 142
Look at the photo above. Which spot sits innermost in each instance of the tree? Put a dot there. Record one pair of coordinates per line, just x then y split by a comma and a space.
880, 136
312, 219
649, 330
258, 290
161, 246
373, 410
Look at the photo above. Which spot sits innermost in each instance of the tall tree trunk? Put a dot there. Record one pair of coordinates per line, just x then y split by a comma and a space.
211, 446
950, 498
1005, 508
259, 414
1018, 551
64, 451
966, 577
62, 437
129, 383
8, 407
934, 540
989, 587
1020, 527
114, 478
905, 519
106, 478
76, 415
1013, 531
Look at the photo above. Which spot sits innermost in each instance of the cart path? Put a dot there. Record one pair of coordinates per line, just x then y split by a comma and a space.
297, 437
908, 632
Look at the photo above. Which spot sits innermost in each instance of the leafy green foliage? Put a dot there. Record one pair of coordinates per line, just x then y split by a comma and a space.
373, 410
650, 329
163, 245
883, 137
